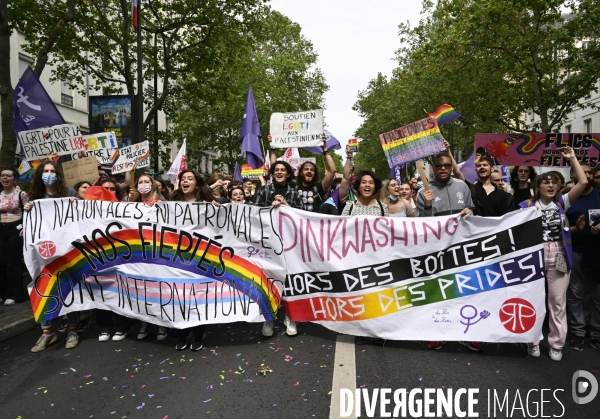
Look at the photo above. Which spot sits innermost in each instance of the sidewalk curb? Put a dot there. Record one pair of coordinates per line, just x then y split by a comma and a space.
17, 327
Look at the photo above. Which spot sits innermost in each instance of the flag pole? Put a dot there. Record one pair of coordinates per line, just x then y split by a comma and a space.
140, 81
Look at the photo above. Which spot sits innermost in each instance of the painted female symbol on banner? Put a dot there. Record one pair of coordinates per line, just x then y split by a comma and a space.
483, 315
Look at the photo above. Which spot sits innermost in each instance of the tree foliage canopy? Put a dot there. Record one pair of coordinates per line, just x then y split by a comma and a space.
494, 61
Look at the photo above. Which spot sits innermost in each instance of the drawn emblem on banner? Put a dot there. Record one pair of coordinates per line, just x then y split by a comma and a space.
47, 249
517, 315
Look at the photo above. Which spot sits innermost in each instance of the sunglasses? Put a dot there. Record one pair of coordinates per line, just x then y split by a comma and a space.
445, 166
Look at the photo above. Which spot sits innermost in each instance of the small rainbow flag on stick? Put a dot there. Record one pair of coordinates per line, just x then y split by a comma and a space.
444, 114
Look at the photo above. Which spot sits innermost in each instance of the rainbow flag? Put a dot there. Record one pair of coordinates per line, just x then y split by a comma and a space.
444, 114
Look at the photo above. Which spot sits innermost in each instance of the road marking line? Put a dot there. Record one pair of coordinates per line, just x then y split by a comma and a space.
343, 376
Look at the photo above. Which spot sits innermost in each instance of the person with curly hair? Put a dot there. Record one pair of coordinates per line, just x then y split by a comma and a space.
367, 185
521, 180
49, 183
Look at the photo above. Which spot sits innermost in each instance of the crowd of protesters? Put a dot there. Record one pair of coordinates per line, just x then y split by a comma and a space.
571, 244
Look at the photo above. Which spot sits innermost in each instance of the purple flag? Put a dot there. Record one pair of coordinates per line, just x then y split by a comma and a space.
332, 144
396, 174
32, 106
468, 169
250, 133
237, 173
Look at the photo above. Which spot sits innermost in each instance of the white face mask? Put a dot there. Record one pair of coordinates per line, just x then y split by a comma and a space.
144, 188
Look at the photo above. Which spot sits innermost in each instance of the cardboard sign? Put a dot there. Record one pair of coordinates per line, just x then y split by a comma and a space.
80, 170
412, 142
127, 159
539, 149
297, 129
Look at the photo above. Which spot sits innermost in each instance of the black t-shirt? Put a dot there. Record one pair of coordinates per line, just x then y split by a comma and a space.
522, 195
311, 197
494, 204
280, 189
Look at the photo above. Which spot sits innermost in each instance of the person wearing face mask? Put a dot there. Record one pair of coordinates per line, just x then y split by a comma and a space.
366, 186
397, 206
49, 183
12, 201
145, 191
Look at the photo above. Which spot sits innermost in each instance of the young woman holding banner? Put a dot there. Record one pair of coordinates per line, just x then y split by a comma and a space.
557, 249
49, 183
192, 188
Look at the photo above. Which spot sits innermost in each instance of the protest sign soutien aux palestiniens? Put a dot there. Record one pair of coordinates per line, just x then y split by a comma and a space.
182, 264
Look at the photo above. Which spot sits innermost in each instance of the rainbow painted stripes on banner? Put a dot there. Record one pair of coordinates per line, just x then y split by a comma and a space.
354, 306
60, 274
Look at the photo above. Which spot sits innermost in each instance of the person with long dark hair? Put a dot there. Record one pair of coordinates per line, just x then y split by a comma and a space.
12, 202
49, 183
557, 248
81, 187
521, 180
192, 188
366, 186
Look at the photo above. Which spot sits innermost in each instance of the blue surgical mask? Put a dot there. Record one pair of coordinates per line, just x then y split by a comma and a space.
393, 198
49, 178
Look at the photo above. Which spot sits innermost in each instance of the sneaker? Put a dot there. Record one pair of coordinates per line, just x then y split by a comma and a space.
84, 325
182, 343
436, 345
595, 343
576, 343
64, 325
10, 302
555, 354
120, 336
196, 344
104, 336
534, 351
162, 333
268, 329
43, 342
72, 340
474, 346
290, 326
143, 331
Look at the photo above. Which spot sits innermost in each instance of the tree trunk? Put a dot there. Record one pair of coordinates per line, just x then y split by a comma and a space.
9, 138
42, 58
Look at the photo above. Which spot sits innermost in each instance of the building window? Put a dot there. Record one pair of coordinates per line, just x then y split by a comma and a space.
568, 128
66, 93
24, 62
588, 125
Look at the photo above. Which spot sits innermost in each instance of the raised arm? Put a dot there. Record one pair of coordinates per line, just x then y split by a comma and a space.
273, 155
345, 185
455, 169
330, 172
582, 180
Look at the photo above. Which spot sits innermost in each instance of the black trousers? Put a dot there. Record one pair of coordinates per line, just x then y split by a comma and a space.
11, 256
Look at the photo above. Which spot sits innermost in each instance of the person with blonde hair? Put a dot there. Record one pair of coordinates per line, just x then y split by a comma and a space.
390, 196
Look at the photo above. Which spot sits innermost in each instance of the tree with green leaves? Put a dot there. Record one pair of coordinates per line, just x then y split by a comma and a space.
274, 59
494, 61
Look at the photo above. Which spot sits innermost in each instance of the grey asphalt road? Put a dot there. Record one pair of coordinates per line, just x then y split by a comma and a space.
150, 379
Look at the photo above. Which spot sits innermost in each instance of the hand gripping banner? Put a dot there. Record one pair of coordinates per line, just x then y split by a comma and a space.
441, 278
172, 264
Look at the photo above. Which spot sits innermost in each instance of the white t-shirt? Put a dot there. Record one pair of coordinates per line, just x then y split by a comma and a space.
551, 222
